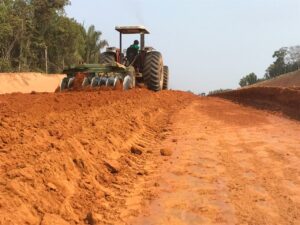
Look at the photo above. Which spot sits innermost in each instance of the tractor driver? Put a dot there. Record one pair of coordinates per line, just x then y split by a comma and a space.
133, 51
135, 45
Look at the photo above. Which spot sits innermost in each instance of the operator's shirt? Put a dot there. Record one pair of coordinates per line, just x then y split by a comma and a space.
135, 47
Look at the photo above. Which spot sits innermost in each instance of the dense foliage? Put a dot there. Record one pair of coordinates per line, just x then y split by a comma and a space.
33, 30
286, 60
218, 91
248, 80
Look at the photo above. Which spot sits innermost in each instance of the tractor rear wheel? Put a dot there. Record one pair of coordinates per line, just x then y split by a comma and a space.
107, 57
166, 78
153, 71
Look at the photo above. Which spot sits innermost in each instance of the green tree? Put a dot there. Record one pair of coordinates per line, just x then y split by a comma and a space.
10, 31
93, 44
248, 80
279, 66
30, 27
65, 42
45, 13
218, 91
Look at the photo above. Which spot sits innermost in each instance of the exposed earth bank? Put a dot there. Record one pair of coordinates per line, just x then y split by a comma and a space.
28, 82
291, 79
277, 99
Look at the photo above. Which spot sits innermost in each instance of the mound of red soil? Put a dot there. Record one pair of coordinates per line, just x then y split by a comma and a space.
66, 157
284, 100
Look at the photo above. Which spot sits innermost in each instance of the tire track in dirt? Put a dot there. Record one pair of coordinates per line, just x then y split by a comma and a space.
231, 165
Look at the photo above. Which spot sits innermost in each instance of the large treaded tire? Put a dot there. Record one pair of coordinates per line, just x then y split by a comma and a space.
153, 71
166, 78
107, 57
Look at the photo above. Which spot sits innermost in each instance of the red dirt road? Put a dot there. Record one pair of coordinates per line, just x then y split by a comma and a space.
231, 165
94, 158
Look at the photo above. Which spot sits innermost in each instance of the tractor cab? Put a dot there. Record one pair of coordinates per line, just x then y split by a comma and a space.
133, 56
133, 30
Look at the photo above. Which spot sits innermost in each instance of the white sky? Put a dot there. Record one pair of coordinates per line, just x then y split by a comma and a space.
207, 44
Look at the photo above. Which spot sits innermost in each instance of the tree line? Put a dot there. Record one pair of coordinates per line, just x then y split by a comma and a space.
36, 35
287, 59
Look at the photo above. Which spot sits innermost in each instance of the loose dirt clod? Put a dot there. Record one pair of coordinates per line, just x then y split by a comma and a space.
166, 152
142, 173
89, 219
135, 150
112, 165
51, 186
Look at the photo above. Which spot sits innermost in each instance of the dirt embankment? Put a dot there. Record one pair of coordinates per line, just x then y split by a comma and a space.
286, 80
75, 158
280, 94
28, 82
284, 100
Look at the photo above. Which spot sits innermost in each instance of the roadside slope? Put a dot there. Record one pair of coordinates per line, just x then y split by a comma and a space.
280, 94
283, 100
28, 82
286, 80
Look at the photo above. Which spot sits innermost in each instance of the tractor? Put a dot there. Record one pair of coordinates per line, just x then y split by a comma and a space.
129, 68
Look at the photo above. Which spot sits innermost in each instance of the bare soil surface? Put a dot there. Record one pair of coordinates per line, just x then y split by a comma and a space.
231, 165
138, 157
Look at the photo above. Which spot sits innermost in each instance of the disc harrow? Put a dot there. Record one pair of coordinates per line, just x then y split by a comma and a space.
99, 75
